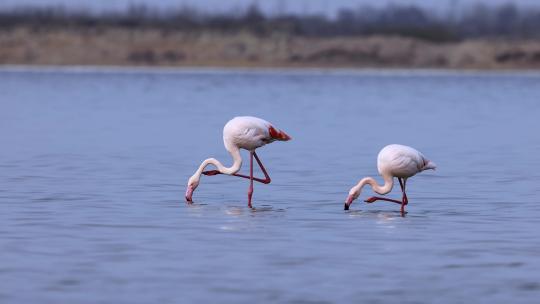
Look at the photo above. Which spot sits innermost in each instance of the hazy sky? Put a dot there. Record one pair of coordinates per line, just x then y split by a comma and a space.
310, 6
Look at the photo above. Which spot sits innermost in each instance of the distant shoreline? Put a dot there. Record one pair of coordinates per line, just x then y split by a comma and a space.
117, 47
405, 72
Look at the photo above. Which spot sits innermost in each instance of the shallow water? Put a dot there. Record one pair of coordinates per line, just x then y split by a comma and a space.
94, 163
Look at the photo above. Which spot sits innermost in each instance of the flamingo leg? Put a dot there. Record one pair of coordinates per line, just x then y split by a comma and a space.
266, 180
404, 201
404, 197
250, 190
378, 198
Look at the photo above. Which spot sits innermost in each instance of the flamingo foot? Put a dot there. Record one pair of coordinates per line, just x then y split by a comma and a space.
371, 200
250, 195
211, 172
376, 198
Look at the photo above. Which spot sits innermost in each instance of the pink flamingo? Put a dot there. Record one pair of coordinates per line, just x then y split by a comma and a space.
393, 161
247, 133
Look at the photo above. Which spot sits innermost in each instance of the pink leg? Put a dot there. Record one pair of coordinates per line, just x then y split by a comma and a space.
378, 198
266, 180
404, 201
404, 198
250, 190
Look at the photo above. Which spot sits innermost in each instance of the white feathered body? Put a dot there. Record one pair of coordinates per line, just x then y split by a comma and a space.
247, 132
401, 161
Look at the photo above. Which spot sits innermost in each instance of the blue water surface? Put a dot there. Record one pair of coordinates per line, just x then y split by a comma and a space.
94, 163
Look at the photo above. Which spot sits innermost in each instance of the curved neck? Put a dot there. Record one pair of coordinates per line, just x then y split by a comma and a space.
237, 163
384, 189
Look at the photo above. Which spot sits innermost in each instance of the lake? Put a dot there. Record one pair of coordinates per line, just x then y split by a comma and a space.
94, 164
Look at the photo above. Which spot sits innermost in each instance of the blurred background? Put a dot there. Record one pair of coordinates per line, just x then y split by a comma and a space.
298, 33
94, 160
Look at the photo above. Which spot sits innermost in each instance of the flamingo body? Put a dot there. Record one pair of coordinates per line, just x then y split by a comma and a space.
250, 133
401, 161
245, 132
394, 160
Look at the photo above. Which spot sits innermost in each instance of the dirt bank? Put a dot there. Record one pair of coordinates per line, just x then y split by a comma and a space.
117, 46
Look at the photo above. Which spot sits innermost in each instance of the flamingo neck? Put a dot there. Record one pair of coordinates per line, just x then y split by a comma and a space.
237, 163
384, 189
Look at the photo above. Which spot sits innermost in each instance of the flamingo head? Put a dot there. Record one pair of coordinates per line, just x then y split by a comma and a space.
193, 183
429, 165
278, 134
354, 193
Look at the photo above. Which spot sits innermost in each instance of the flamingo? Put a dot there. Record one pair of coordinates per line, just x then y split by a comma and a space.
393, 161
247, 133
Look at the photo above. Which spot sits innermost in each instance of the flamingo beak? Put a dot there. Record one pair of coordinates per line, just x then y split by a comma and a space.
284, 136
189, 194
348, 202
278, 134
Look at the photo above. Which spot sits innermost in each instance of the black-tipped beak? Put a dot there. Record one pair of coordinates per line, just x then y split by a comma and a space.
346, 207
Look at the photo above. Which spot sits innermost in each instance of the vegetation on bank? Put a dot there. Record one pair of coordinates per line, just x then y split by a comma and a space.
478, 21
479, 37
